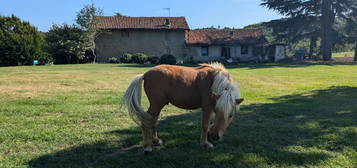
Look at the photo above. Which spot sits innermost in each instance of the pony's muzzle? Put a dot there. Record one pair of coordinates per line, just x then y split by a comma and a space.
213, 137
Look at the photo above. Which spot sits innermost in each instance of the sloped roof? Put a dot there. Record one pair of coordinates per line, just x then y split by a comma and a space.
224, 36
119, 22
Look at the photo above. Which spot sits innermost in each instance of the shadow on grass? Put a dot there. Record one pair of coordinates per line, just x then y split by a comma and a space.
296, 130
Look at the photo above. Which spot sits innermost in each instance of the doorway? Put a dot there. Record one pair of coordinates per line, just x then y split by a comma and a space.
226, 52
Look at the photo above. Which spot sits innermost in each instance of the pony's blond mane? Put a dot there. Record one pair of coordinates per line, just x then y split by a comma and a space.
224, 86
216, 66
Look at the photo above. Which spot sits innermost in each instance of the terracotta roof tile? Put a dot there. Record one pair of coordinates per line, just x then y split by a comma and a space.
224, 36
117, 22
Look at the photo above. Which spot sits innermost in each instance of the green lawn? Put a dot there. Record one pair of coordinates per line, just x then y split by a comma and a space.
343, 54
294, 115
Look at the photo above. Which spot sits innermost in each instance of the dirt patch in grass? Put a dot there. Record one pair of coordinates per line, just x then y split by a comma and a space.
343, 59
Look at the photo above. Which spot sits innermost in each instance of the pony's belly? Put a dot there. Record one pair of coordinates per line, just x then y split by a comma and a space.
185, 106
192, 102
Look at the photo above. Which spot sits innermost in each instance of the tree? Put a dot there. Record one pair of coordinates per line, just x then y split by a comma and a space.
86, 19
20, 42
265, 29
325, 10
65, 43
300, 31
351, 29
327, 21
347, 28
118, 14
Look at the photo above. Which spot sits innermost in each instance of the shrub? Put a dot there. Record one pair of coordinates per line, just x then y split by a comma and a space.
140, 58
113, 60
168, 59
126, 58
154, 60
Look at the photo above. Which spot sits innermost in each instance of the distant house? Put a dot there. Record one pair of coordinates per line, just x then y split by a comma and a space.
156, 36
153, 36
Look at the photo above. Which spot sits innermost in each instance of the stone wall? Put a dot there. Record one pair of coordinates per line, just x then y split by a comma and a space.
151, 42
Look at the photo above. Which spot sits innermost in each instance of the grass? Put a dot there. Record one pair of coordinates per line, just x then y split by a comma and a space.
294, 115
343, 54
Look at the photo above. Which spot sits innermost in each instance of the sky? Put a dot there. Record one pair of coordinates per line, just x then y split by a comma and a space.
199, 13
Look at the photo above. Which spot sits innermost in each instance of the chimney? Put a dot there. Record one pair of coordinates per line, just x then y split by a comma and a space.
167, 22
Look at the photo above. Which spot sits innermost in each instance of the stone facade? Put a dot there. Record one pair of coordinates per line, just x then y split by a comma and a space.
151, 42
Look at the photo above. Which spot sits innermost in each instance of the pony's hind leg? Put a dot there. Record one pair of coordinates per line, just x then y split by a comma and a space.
155, 110
147, 139
150, 136
157, 99
155, 138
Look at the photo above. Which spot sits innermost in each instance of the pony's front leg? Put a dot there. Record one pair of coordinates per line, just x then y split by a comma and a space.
206, 116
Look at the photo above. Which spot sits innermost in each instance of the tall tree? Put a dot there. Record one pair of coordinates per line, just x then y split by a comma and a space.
326, 10
65, 43
351, 29
20, 42
327, 20
296, 29
300, 31
86, 19
347, 28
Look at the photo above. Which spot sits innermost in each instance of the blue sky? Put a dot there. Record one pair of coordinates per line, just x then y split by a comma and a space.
199, 13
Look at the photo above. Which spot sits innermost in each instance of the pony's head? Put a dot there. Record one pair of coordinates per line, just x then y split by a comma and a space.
226, 94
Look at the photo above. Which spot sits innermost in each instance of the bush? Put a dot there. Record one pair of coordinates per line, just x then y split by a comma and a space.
168, 59
140, 58
126, 58
154, 60
113, 60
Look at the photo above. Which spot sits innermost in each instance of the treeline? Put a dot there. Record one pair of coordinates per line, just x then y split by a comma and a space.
21, 43
316, 27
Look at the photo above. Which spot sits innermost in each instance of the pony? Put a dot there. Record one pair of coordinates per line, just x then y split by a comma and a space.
209, 86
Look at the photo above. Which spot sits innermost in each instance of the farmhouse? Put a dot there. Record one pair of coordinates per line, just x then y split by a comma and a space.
156, 36
240, 45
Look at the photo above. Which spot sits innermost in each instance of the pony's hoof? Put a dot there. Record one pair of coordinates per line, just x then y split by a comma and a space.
157, 142
147, 150
208, 145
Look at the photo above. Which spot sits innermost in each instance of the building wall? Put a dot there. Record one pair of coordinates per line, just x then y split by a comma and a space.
214, 53
151, 42
279, 52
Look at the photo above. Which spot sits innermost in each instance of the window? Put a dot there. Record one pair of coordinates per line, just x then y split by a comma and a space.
204, 51
244, 50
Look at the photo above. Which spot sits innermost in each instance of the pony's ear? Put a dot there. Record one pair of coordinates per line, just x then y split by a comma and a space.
215, 96
239, 101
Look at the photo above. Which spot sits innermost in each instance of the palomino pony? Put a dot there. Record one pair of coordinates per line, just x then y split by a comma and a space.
209, 87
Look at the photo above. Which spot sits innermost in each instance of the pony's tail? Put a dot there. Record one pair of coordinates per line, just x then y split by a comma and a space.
132, 102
